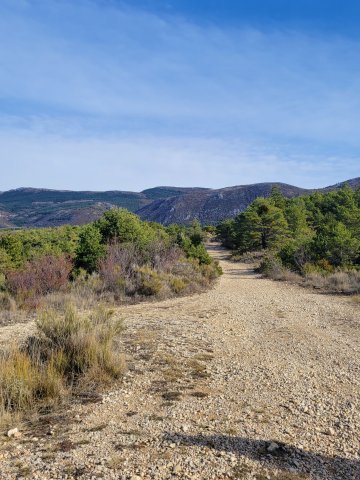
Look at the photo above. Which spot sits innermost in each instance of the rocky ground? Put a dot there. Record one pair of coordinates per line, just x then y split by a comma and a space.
254, 379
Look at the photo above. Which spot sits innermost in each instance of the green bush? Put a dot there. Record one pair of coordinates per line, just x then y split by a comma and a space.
148, 282
89, 250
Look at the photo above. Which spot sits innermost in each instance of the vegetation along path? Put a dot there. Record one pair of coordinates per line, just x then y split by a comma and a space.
252, 379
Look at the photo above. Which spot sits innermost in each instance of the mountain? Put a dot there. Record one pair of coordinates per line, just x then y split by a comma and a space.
40, 207
36, 207
210, 206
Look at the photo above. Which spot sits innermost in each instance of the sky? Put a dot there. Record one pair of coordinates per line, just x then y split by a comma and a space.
127, 95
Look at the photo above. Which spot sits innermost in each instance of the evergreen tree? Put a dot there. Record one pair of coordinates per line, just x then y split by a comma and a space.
90, 249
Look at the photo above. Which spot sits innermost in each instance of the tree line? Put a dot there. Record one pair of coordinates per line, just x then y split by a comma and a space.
318, 232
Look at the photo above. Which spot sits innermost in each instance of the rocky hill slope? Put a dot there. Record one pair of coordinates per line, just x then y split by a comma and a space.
31, 207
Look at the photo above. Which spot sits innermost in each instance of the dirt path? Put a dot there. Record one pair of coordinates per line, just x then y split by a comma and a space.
254, 379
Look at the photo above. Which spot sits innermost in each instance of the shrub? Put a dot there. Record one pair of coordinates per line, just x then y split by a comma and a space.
148, 282
117, 268
24, 382
178, 285
270, 265
89, 250
122, 226
78, 343
344, 282
67, 351
39, 277
254, 257
212, 271
160, 255
7, 302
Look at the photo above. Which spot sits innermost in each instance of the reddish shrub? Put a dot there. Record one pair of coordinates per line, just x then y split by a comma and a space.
160, 256
40, 276
117, 268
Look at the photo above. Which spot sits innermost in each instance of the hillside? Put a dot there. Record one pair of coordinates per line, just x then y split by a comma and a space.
31, 207
37, 207
212, 206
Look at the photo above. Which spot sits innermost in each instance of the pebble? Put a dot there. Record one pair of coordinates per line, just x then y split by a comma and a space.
14, 433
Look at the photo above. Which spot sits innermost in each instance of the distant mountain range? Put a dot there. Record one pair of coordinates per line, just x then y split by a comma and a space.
37, 207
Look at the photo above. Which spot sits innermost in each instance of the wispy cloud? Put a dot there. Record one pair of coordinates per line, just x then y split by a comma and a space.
85, 85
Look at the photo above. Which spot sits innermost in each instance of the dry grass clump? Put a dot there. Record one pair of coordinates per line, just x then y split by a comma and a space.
67, 351
78, 343
24, 381
356, 298
272, 268
342, 281
9, 312
248, 257
347, 282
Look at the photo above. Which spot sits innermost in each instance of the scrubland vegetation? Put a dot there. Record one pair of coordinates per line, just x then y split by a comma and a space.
61, 275
313, 239
115, 259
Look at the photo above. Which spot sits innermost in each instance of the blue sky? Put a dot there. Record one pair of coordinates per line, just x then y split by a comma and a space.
127, 95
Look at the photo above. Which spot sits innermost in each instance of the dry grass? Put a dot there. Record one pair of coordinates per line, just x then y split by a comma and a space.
355, 298
68, 352
345, 281
248, 257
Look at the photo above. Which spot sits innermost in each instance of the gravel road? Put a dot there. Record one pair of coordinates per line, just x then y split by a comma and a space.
253, 379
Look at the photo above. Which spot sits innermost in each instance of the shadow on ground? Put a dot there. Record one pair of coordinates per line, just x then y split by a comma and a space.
287, 458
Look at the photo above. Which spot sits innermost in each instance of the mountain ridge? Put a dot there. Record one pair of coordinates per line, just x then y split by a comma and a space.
43, 207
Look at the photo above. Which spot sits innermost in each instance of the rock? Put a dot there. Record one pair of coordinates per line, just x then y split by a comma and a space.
272, 447
14, 433
330, 431
185, 428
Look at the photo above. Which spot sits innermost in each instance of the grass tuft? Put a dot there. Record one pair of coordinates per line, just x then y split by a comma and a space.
67, 351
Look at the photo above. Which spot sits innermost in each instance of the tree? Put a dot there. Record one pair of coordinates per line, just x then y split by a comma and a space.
296, 216
5, 260
121, 225
196, 233
277, 198
226, 233
335, 243
261, 226
90, 248
13, 246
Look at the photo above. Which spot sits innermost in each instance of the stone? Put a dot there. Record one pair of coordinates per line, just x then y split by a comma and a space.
14, 433
273, 447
